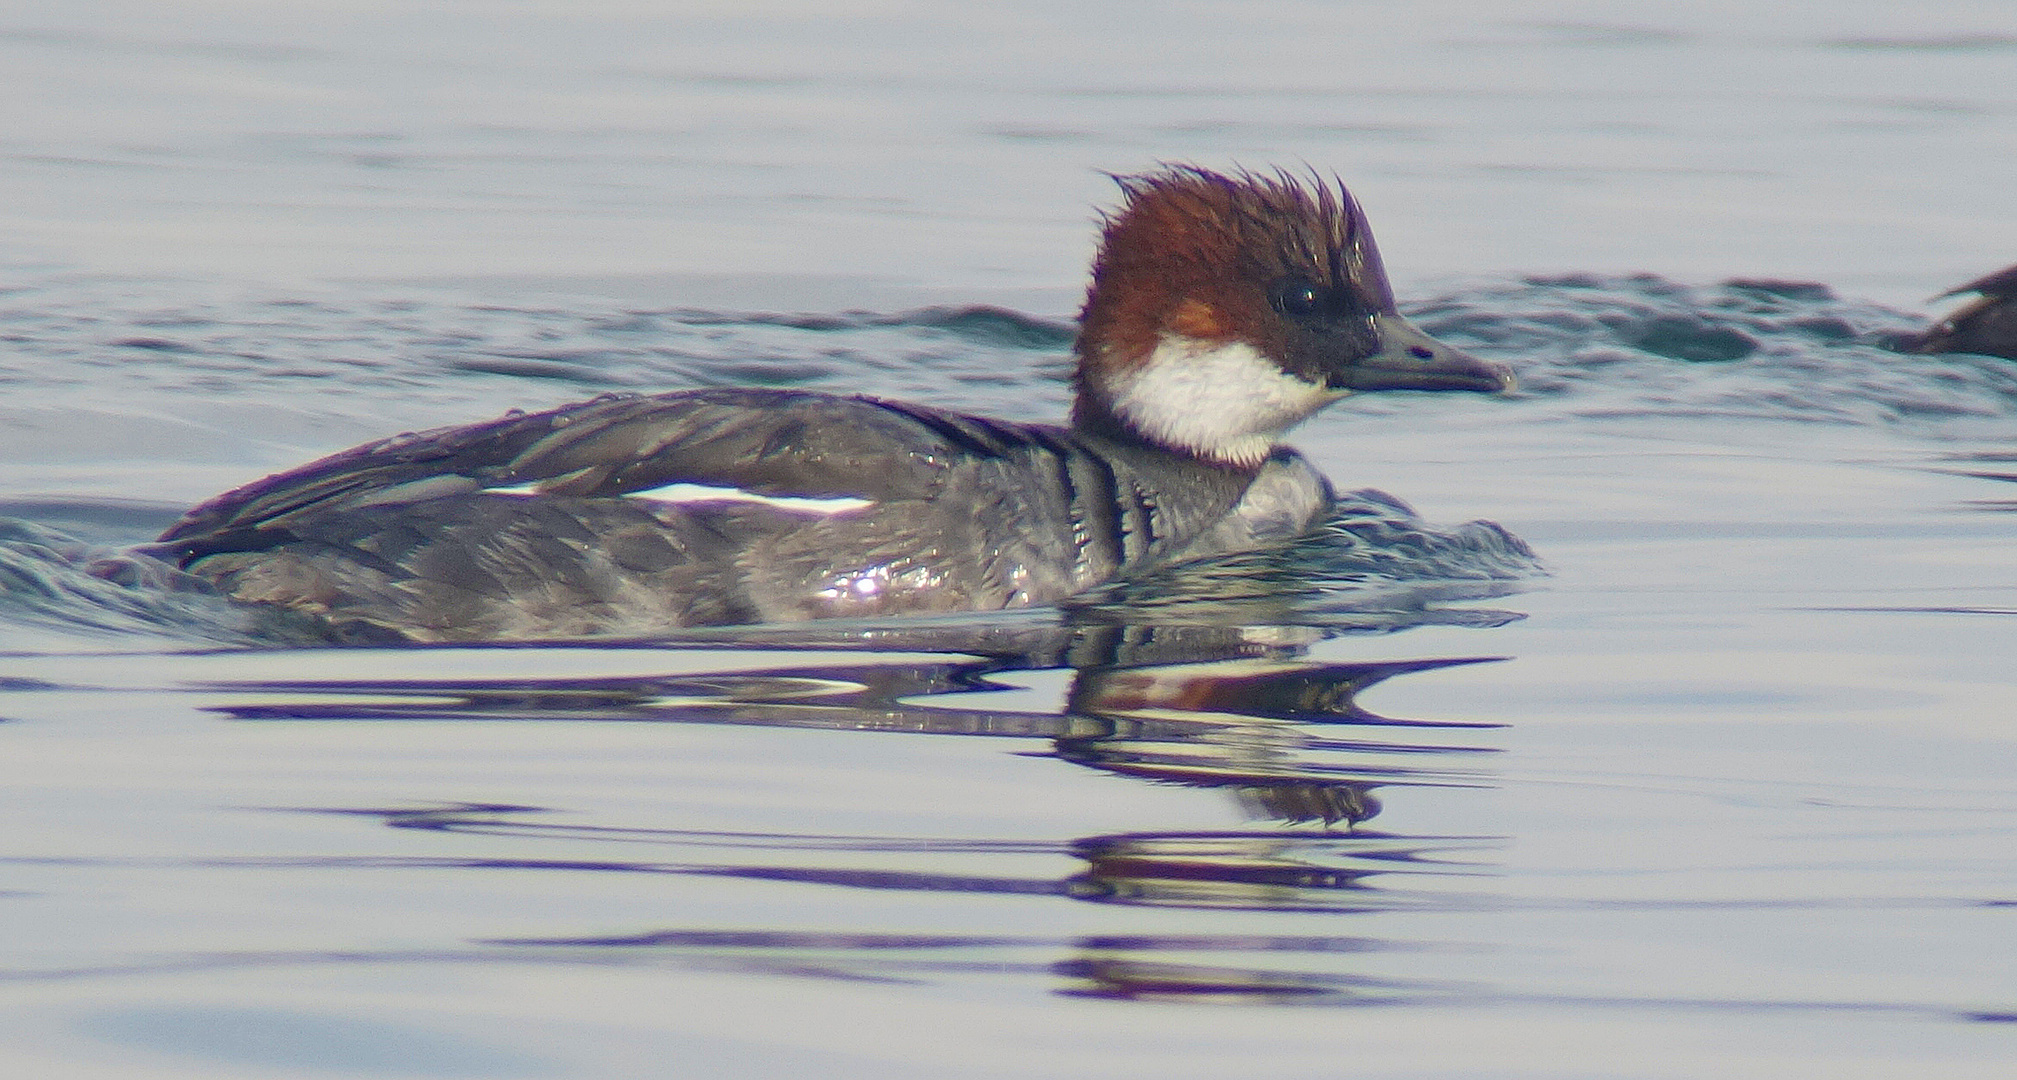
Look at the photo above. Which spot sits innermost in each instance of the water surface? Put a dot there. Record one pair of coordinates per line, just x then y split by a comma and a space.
1654, 721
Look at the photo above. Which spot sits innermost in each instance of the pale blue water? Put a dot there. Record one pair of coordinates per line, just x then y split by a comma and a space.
1725, 782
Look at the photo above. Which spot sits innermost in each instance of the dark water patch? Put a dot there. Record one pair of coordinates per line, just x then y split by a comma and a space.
152, 344
572, 369
1774, 289
981, 323
1641, 345
780, 372
995, 326
1682, 338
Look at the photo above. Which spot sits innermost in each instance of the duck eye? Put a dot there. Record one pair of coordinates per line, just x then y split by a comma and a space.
1299, 297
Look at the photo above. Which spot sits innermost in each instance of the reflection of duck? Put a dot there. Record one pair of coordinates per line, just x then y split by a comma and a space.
1986, 324
1223, 311
1283, 735
1202, 707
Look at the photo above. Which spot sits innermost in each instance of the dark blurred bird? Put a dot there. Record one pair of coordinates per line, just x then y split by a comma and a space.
1985, 325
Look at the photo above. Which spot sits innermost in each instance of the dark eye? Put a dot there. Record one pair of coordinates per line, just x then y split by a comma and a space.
1300, 297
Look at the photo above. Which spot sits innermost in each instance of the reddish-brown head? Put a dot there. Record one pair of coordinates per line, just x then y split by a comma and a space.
1196, 252
1224, 309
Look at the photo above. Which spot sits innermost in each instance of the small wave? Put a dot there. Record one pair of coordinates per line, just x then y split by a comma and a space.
1373, 566
1619, 345
981, 323
168, 340
1641, 345
50, 580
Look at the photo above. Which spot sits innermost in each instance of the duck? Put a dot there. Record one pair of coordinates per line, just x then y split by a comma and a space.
1223, 309
1986, 325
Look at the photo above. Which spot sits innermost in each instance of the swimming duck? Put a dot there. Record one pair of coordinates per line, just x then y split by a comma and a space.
1223, 310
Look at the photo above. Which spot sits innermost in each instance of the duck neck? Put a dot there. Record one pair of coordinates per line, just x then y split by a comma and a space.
1093, 416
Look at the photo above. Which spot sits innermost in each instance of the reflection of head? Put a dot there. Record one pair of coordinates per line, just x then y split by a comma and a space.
1252, 728
1299, 803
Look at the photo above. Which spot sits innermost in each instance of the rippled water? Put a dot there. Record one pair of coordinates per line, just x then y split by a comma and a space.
1691, 755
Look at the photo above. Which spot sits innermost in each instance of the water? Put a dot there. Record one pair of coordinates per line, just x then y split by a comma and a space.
1716, 781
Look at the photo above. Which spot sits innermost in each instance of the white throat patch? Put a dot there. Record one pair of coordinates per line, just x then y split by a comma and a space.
1223, 400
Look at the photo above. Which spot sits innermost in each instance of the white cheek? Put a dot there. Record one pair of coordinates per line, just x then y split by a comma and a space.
1221, 399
